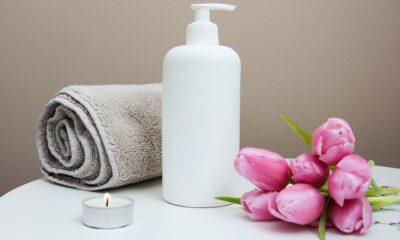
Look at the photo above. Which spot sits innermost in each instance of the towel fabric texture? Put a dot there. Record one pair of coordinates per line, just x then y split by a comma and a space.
99, 137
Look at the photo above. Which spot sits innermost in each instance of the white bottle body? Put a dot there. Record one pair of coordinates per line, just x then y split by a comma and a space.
200, 124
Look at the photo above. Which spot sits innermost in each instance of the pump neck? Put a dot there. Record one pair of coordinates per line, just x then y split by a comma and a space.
202, 30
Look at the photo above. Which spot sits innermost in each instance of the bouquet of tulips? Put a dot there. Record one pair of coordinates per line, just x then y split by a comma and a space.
328, 184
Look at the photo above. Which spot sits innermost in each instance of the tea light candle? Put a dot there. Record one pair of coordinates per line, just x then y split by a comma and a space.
107, 212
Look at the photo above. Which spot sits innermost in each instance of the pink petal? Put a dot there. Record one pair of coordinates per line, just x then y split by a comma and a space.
317, 143
354, 216
273, 208
335, 183
366, 215
255, 203
341, 123
300, 203
355, 164
334, 132
266, 169
332, 138
307, 168
335, 154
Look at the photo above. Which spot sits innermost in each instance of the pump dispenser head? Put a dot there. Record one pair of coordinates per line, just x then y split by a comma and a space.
202, 31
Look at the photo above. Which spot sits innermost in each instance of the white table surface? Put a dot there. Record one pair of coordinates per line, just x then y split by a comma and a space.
43, 210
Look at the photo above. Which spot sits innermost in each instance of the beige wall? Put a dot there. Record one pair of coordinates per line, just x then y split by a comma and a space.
309, 59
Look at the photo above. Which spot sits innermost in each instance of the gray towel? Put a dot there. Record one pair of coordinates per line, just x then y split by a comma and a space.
98, 137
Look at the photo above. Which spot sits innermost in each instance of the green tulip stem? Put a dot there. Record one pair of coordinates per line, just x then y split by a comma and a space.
324, 188
382, 191
322, 220
379, 199
375, 186
380, 202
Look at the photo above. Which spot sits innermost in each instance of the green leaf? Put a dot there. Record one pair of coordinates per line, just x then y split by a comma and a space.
233, 200
298, 130
322, 220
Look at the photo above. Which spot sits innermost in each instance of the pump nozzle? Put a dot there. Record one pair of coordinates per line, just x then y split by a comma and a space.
202, 11
202, 31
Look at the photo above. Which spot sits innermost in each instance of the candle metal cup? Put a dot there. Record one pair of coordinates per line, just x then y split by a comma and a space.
119, 212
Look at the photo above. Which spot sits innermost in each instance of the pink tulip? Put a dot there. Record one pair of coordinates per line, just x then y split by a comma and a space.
306, 168
255, 203
266, 169
300, 203
350, 179
354, 216
333, 140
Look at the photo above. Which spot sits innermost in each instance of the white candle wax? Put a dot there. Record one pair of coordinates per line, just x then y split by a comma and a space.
118, 212
114, 202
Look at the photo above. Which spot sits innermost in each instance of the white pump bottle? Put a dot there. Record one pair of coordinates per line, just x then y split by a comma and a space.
201, 116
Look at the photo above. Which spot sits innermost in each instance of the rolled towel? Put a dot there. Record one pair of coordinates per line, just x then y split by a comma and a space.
98, 137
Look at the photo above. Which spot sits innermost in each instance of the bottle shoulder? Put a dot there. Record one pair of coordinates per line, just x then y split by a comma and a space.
201, 51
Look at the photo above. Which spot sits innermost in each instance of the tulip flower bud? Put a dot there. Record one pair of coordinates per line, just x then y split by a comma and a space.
300, 203
354, 216
255, 203
306, 168
333, 140
265, 169
350, 179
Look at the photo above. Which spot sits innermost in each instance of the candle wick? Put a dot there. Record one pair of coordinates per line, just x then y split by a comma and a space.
107, 202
